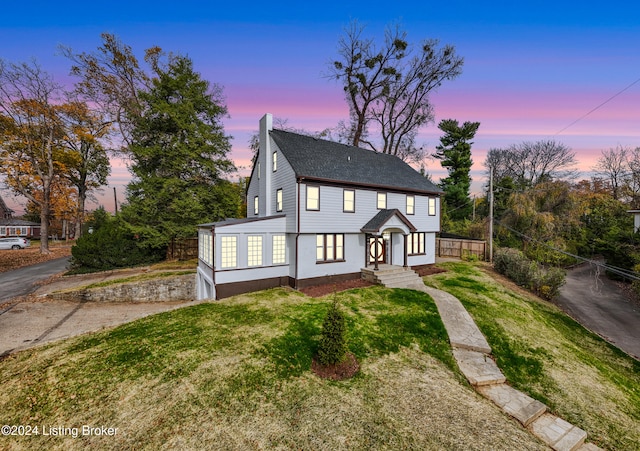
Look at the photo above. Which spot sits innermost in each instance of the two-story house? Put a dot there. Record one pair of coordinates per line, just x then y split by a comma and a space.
318, 212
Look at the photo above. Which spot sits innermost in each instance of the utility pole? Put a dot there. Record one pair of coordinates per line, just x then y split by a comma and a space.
491, 214
115, 200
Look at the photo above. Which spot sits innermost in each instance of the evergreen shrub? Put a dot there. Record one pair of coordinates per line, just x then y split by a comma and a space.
333, 341
111, 246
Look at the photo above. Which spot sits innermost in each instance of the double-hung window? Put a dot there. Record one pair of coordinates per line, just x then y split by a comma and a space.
432, 206
279, 200
415, 243
349, 201
382, 201
256, 205
411, 201
329, 247
313, 197
275, 161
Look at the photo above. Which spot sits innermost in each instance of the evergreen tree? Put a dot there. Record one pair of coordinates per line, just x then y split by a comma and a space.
179, 154
454, 153
333, 342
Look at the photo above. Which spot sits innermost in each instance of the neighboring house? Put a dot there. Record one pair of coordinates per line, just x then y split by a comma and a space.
5, 212
19, 227
318, 212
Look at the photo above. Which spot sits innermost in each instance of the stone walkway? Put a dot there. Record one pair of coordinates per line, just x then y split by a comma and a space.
473, 355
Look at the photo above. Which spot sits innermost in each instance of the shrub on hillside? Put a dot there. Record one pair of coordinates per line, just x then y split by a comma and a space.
544, 281
111, 245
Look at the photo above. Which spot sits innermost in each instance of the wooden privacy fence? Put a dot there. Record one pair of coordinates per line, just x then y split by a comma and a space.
457, 248
182, 249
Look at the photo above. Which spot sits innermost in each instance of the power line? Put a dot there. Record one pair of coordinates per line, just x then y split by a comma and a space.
598, 107
630, 275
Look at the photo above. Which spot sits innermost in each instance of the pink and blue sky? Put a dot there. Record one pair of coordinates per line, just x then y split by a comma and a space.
531, 68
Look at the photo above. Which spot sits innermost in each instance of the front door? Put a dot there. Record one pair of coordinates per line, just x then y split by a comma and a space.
377, 250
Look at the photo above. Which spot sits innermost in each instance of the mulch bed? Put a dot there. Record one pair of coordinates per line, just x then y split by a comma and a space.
339, 371
322, 290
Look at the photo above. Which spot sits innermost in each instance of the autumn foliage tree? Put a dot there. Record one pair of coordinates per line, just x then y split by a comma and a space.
30, 135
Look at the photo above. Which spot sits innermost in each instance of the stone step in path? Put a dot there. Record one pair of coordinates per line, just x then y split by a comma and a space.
473, 355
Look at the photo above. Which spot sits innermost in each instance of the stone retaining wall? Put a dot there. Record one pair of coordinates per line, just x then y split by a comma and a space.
178, 288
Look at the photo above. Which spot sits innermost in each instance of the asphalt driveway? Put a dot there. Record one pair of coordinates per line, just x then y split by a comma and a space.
600, 305
20, 282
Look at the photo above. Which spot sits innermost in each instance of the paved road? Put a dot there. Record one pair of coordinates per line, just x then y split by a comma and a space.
599, 305
20, 282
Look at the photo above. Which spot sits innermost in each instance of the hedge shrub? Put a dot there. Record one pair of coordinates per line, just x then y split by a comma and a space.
543, 281
111, 245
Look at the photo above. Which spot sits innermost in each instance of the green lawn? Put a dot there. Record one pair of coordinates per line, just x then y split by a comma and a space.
235, 375
548, 355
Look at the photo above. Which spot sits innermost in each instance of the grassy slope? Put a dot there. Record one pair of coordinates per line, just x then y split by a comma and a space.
234, 375
548, 355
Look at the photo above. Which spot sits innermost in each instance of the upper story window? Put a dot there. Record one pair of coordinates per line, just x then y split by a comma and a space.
258, 170
275, 161
313, 197
349, 201
256, 205
432, 206
228, 251
254, 250
279, 200
382, 201
411, 201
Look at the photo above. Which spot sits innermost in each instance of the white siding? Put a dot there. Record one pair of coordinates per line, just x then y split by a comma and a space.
353, 255
331, 218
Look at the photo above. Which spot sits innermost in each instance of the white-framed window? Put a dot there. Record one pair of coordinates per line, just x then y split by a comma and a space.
254, 250
275, 161
349, 201
205, 247
329, 247
382, 201
313, 197
279, 200
279, 249
228, 252
258, 170
3, 231
256, 205
411, 202
415, 243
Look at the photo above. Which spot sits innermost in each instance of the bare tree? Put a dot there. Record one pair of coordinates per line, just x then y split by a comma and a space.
530, 163
390, 86
613, 167
112, 79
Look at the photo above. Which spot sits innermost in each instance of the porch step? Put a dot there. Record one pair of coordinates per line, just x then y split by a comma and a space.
392, 276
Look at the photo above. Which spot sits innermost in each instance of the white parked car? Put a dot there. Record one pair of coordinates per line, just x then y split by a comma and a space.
14, 243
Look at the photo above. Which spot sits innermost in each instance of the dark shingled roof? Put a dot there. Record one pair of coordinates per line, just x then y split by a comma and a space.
375, 224
18, 222
322, 160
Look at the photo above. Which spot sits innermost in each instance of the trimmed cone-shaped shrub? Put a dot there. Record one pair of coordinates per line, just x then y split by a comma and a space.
333, 341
